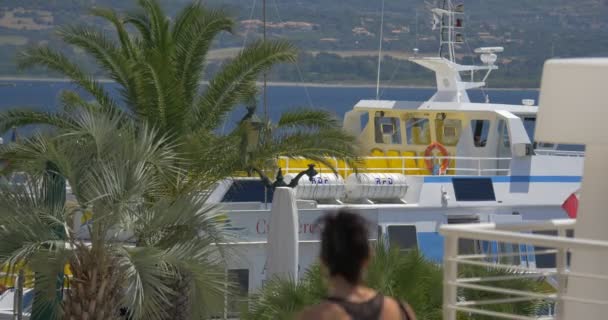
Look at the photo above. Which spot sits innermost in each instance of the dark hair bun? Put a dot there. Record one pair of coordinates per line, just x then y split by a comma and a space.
345, 244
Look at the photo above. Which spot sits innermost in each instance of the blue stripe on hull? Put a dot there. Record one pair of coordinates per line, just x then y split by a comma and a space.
507, 179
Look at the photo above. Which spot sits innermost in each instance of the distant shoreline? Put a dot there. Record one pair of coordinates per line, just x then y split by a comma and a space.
272, 83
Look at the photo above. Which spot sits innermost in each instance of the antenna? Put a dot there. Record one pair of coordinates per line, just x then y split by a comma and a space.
449, 18
380, 51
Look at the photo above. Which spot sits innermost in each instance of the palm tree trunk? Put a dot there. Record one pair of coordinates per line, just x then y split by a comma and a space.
95, 290
180, 305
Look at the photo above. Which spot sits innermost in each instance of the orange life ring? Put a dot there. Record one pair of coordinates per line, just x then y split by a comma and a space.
444, 152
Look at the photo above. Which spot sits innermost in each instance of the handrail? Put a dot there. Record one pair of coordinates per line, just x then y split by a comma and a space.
563, 153
476, 168
518, 233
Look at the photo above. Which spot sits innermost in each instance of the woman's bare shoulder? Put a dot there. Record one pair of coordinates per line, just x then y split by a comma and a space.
392, 310
323, 311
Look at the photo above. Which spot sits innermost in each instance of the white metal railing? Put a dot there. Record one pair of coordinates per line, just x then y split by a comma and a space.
559, 153
478, 166
519, 234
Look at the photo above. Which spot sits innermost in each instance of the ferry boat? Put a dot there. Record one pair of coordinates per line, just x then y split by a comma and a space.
429, 163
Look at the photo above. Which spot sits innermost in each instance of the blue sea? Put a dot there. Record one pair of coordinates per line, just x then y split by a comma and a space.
43, 95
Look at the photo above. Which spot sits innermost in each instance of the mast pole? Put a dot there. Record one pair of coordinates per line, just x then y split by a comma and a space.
380, 52
264, 96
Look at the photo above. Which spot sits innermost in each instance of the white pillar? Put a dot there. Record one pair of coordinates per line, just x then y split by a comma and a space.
592, 223
573, 109
283, 235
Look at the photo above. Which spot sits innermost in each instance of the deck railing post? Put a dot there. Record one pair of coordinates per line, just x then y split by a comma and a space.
479, 166
225, 313
403, 165
561, 265
450, 274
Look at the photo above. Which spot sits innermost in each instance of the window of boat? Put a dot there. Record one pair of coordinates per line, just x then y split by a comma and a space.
418, 131
403, 237
387, 129
503, 132
530, 125
466, 246
481, 129
238, 300
448, 131
571, 147
248, 191
364, 120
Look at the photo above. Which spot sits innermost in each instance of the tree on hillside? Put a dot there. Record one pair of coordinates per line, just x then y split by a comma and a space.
158, 68
136, 239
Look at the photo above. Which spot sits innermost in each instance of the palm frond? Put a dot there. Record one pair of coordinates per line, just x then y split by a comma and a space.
55, 61
19, 117
193, 32
158, 23
111, 58
181, 220
307, 118
141, 22
71, 101
123, 35
234, 82
145, 272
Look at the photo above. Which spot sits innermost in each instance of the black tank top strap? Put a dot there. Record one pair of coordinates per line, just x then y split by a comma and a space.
368, 310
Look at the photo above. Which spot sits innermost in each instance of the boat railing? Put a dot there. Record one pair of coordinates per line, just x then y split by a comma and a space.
559, 246
560, 153
478, 166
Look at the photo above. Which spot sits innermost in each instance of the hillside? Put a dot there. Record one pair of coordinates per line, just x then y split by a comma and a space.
339, 38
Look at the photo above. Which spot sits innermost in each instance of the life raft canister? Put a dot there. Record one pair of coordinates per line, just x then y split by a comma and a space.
445, 162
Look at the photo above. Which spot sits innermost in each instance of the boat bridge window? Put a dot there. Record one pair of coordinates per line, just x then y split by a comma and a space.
448, 131
530, 126
481, 129
503, 132
364, 120
387, 129
473, 189
418, 131
248, 191
403, 237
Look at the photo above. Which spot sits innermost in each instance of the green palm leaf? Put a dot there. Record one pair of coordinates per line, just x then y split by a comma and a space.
117, 22
22, 116
193, 32
57, 62
233, 83
307, 118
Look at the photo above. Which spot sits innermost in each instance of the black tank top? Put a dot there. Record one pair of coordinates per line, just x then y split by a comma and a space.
368, 310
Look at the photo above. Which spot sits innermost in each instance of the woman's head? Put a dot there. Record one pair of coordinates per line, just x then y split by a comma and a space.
345, 245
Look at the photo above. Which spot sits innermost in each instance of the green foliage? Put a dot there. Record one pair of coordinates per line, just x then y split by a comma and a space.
117, 172
404, 276
158, 69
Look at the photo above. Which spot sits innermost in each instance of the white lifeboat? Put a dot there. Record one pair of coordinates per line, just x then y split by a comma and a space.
322, 187
376, 187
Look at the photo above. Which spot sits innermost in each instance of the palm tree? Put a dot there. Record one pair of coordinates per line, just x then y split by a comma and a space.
405, 276
158, 68
314, 134
138, 238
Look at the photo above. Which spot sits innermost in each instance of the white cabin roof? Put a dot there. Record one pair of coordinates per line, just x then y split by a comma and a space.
444, 106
